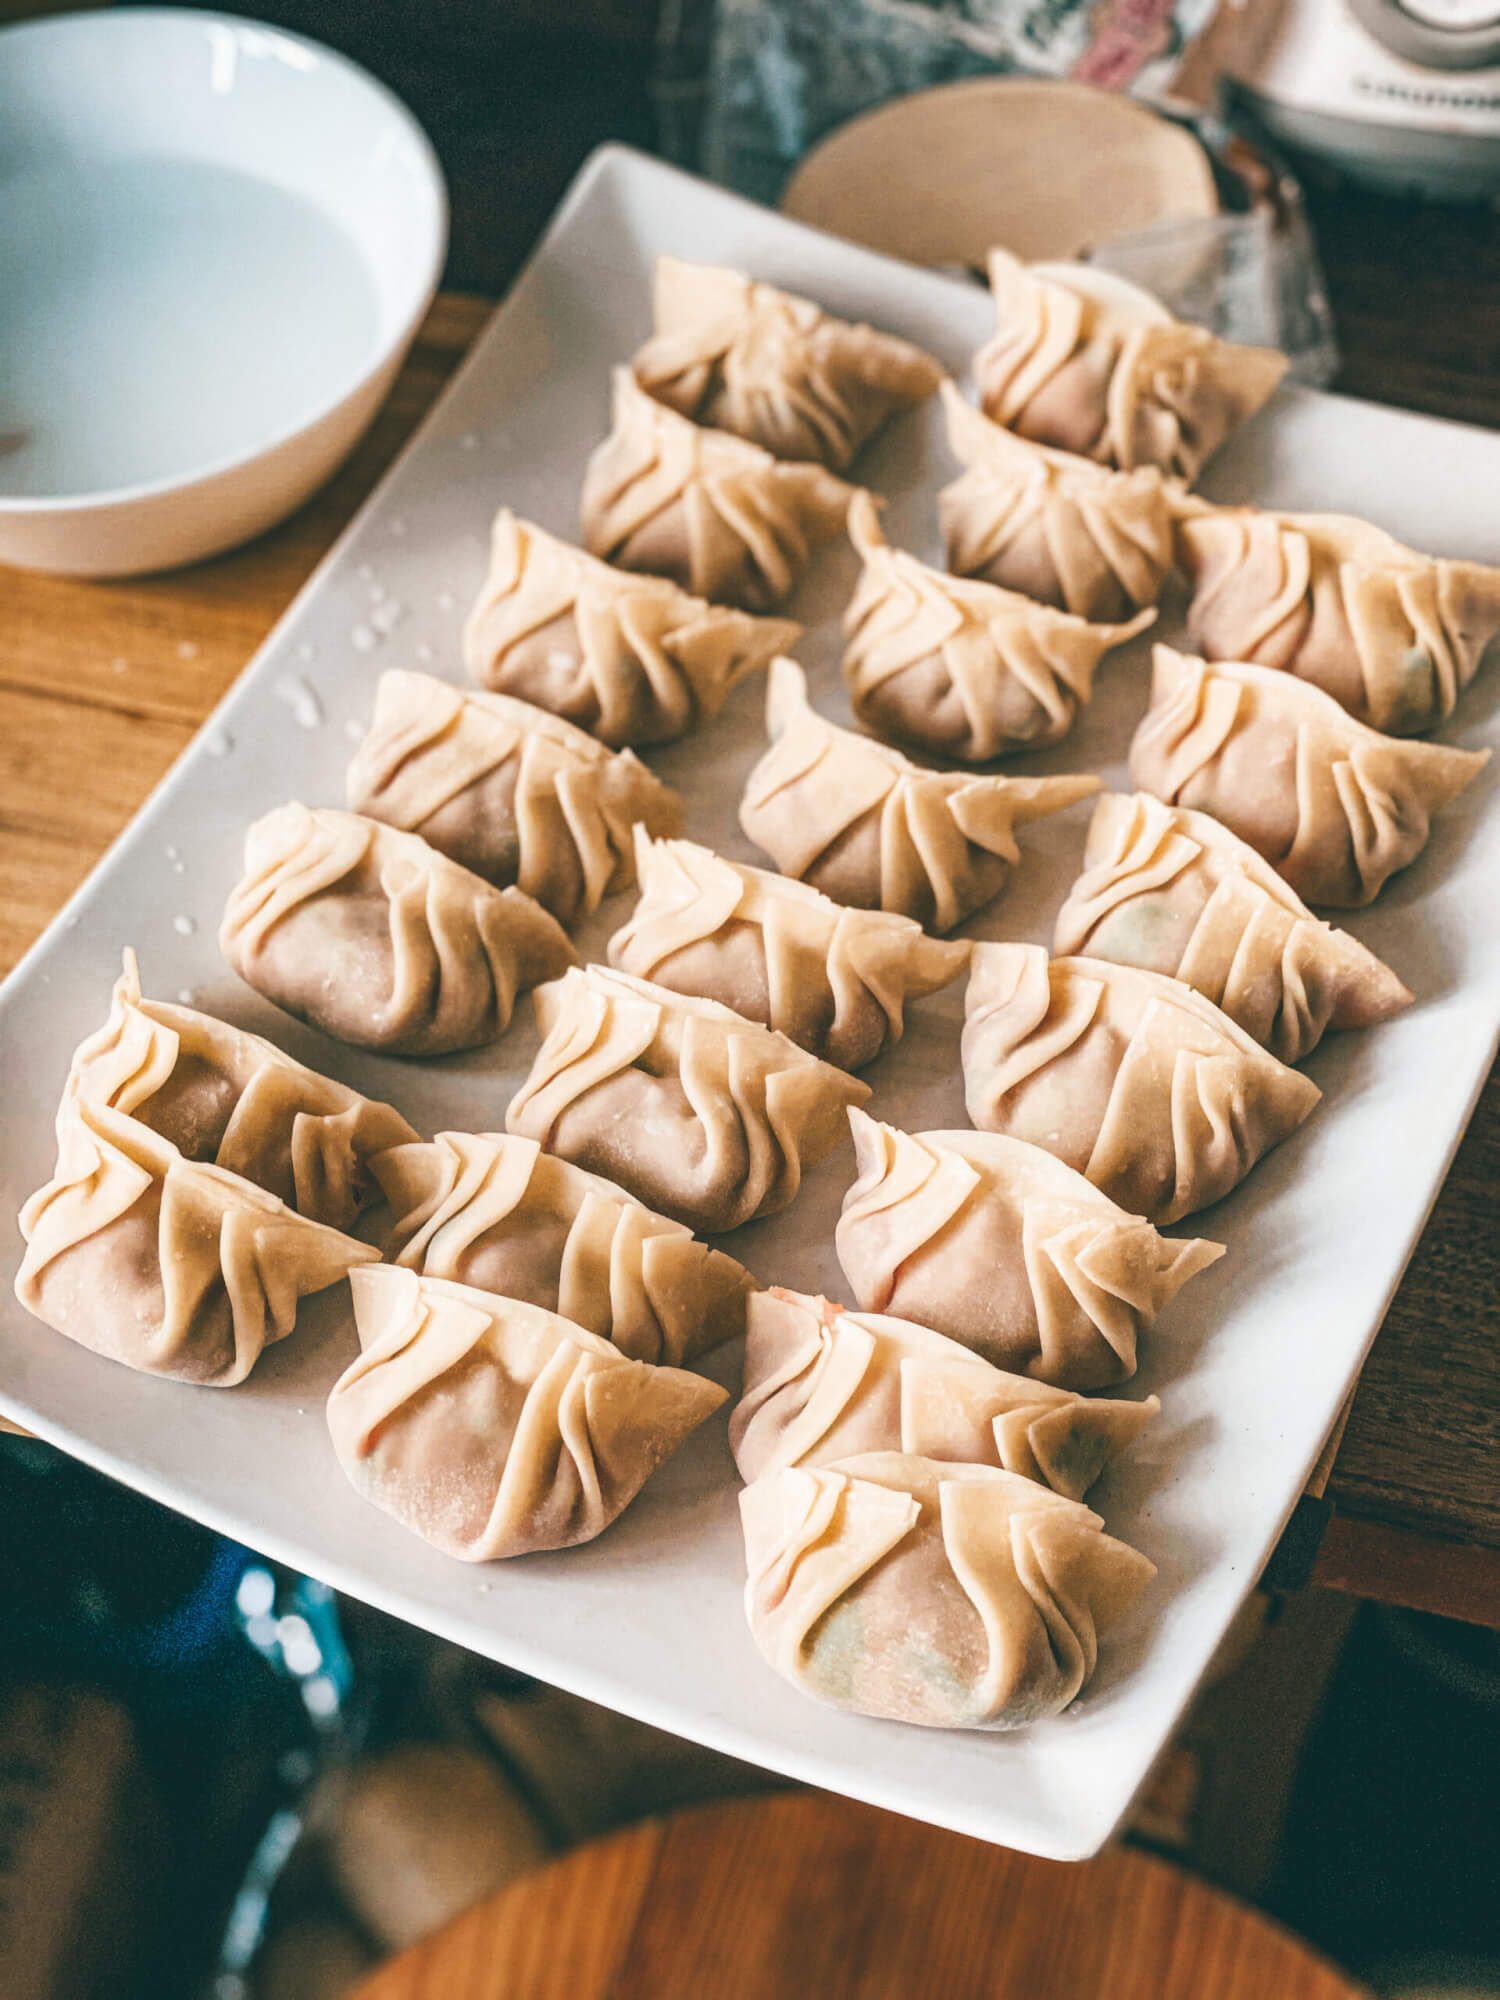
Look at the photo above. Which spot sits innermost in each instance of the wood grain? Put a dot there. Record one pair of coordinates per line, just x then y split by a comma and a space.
800, 1894
83, 738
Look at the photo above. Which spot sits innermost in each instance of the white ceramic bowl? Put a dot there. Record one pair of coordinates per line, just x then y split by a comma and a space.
216, 243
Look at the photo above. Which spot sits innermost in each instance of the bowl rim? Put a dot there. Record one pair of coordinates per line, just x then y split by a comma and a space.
109, 20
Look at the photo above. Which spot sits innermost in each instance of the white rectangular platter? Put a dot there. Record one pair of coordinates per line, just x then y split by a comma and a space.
1252, 1362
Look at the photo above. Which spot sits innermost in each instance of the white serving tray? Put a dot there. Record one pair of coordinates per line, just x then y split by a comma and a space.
1253, 1361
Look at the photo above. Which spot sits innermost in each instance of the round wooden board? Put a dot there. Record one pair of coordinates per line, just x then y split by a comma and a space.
1046, 169
800, 1893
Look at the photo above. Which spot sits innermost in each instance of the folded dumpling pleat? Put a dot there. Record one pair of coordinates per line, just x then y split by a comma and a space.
1086, 363
1334, 806
491, 1427
772, 367
871, 829
959, 1596
823, 1384
494, 1211
1001, 1246
172, 1266
378, 939
1173, 891
720, 517
504, 788
235, 1100
959, 668
630, 658
1132, 1079
699, 1113
1058, 527
1394, 636
836, 980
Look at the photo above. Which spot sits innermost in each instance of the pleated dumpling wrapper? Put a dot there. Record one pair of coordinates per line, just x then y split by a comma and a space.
720, 517
1173, 891
871, 829
836, 980
1061, 528
699, 1113
1394, 636
491, 1427
823, 1384
173, 1266
1334, 806
236, 1100
1006, 1249
516, 794
1088, 363
959, 668
957, 1596
492, 1210
1132, 1079
378, 939
772, 367
630, 658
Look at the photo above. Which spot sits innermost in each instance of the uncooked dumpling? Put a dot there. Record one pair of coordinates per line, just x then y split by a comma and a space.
378, 939
1085, 362
823, 1384
630, 658
836, 980
504, 788
772, 367
1335, 807
493, 1428
720, 517
236, 1101
958, 1596
871, 829
1132, 1079
172, 1266
1394, 636
1002, 1246
492, 1210
958, 668
1063, 529
699, 1113
1173, 891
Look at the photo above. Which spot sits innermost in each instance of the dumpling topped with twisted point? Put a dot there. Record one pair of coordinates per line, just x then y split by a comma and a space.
504, 788
1083, 361
823, 1384
1063, 529
836, 980
1334, 806
172, 1266
720, 517
630, 658
959, 668
1173, 891
1394, 636
957, 1596
1133, 1080
871, 829
492, 1428
1002, 1246
699, 1113
237, 1101
492, 1210
378, 939
772, 367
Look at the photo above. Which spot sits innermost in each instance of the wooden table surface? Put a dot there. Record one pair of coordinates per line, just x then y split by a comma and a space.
103, 684
799, 1893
